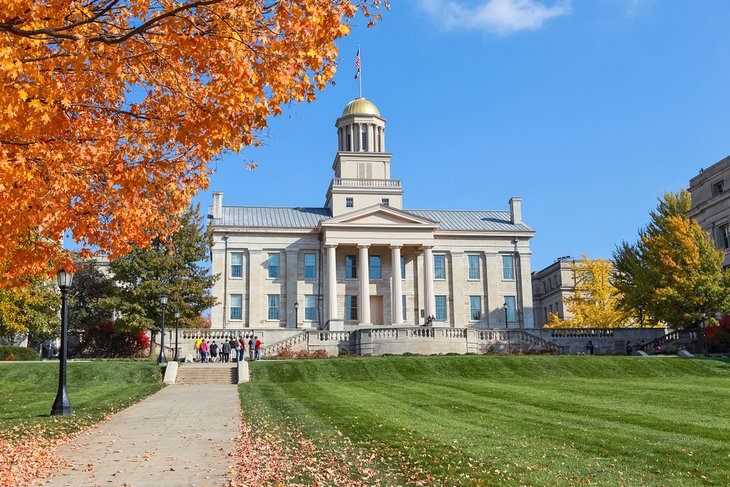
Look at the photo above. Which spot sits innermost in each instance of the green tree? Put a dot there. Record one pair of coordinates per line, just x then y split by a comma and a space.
92, 297
173, 267
673, 273
33, 309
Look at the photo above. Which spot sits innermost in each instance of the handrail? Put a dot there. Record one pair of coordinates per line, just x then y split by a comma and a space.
285, 343
390, 183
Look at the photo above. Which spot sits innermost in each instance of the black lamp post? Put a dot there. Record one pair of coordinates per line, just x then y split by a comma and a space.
704, 333
177, 321
162, 360
296, 314
62, 406
506, 325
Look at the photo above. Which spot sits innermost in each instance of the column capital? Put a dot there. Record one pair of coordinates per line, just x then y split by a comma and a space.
363, 246
396, 246
291, 251
427, 246
330, 246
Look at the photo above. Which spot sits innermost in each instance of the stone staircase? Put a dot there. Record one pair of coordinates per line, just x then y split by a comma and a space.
207, 374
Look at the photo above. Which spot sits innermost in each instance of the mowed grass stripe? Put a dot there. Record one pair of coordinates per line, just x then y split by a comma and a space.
645, 427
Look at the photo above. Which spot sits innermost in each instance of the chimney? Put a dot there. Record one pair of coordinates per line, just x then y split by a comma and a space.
515, 210
217, 204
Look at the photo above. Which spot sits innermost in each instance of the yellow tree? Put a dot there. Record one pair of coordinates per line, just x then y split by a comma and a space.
111, 111
595, 301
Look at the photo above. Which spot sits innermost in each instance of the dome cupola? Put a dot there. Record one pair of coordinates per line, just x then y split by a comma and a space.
360, 106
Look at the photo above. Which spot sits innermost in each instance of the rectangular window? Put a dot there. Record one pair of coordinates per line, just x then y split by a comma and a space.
351, 307
374, 267
508, 271
310, 307
723, 236
364, 140
475, 307
385, 201
402, 267
236, 264
349, 202
717, 188
349, 143
236, 307
473, 267
510, 302
440, 308
403, 306
274, 265
351, 266
439, 267
273, 306
310, 266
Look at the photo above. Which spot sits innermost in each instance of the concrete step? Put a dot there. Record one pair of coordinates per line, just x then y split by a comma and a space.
207, 374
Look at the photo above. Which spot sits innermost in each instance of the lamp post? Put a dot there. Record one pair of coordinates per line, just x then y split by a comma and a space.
62, 406
506, 325
162, 360
704, 333
177, 321
296, 314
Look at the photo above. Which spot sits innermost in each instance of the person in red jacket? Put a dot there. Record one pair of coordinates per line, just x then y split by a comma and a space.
258, 348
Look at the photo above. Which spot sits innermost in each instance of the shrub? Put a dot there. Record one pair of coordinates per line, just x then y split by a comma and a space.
10, 353
320, 353
109, 341
285, 353
343, 352
302, 354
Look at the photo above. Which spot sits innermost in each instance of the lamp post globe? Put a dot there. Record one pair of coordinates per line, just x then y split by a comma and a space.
162, 359
61, 405
177, 321
296, 314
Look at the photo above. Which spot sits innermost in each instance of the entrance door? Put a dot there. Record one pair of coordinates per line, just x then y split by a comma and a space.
376, 310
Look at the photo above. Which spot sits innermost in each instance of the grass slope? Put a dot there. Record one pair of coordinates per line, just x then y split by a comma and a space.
95, 389
473, 420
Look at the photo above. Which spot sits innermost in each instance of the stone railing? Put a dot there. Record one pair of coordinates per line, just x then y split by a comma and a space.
521, 338
379, 183
216, 334
587, 333
333, 336
290, 343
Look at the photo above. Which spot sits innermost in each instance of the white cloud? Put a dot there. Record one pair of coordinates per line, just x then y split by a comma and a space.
499, 16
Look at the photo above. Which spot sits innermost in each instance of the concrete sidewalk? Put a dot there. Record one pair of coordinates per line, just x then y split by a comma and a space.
181, 436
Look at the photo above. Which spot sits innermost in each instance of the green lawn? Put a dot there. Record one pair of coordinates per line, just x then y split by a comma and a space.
95, 389
533, 420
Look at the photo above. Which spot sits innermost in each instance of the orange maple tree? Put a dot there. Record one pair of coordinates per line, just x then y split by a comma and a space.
111, 111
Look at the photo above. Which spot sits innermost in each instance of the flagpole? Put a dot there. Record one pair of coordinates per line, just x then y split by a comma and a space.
358, 51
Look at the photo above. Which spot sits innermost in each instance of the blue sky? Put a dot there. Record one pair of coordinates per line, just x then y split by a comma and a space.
588, 110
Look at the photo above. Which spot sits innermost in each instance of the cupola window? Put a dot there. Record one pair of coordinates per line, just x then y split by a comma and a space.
365, 140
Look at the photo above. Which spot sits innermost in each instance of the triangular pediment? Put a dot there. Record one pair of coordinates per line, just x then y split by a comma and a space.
379, 215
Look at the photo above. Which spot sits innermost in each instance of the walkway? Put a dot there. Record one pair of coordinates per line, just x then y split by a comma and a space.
183, 436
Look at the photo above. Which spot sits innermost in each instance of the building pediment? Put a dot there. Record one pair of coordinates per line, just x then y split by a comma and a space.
378, 216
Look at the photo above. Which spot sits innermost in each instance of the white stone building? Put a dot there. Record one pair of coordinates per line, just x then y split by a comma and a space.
710, 191
550, 288
363, 259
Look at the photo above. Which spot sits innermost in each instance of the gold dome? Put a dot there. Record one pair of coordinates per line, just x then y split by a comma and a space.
360, 106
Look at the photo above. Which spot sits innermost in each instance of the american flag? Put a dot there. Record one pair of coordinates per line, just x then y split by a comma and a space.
357, 63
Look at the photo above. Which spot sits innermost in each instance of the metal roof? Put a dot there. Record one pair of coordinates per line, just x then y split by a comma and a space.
480, 221
271, 217
448, 220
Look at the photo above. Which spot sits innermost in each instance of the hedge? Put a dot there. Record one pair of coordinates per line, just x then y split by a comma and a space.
18, 353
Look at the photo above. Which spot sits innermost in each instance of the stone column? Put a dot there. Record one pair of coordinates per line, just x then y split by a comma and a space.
358, 138
371, 137
429, 298
255, 300
352, 142
291, 288
528, 313
331, 282
382, 140
495, 298
364, 298
458, 279
397, 290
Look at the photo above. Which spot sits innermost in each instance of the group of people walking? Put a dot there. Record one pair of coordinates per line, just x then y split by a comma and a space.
233, 350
